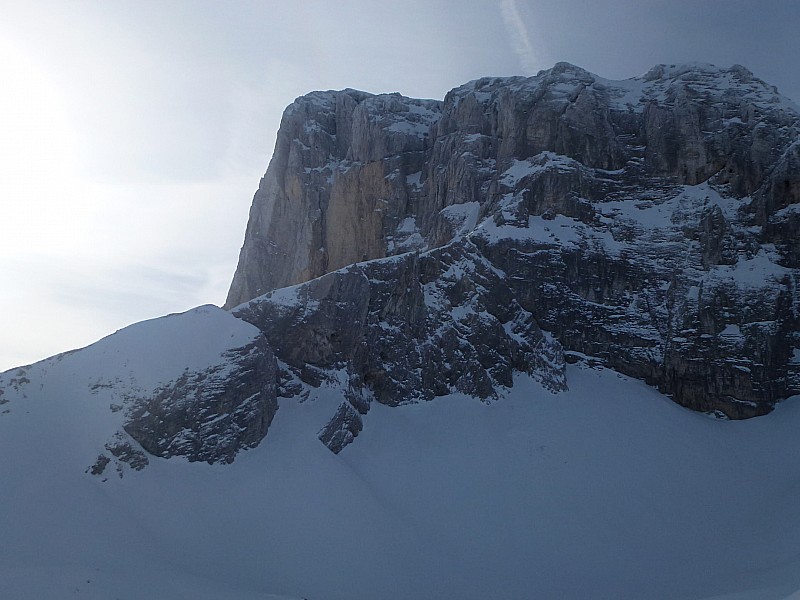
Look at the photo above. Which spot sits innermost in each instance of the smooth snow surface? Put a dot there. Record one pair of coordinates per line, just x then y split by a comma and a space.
606, 491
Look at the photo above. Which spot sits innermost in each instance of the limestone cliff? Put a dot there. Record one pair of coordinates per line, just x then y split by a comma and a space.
343, 179
650, 223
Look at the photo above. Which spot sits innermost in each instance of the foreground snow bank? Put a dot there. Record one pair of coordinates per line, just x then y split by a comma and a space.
608, 490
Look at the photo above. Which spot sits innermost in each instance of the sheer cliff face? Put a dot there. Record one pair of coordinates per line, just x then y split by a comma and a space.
344, 176
650, 223
356, 176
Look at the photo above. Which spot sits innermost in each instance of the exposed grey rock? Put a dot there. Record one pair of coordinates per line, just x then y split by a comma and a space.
123, 451
410, 328
99, 467
202, 385
340, 183
342, 429
209, 415
650, 223
717, 245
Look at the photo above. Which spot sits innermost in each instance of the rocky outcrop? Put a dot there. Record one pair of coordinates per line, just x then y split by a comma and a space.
209, 415
201, 385
344, 176
356, 176
406, 329
342, 429
410, 328
650, 223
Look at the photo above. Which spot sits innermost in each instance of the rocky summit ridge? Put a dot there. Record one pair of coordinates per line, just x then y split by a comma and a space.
401, 249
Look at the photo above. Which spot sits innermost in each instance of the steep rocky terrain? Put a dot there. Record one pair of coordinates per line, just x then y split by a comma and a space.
651, 224
399, 250
200, 385
405, 329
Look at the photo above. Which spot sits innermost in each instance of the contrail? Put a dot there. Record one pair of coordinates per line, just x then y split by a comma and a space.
519, 36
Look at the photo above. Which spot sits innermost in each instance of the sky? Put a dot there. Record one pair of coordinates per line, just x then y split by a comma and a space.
133, 134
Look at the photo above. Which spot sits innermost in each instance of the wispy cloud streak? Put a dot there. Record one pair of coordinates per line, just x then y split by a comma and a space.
520, 39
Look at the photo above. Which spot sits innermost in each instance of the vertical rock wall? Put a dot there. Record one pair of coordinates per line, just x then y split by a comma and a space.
651, 222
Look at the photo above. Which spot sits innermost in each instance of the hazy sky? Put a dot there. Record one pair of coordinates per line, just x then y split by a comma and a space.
134, 134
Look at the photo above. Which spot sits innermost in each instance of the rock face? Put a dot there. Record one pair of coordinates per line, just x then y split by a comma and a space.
406, 329
651, 223
209, 415
343, 178
202, 385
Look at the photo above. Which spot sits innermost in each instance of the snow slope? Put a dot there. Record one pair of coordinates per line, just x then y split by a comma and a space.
608, 490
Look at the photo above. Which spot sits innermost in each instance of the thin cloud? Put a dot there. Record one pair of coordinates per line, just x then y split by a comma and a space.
520, 39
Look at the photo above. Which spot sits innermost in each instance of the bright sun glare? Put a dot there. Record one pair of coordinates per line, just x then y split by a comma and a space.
37, 156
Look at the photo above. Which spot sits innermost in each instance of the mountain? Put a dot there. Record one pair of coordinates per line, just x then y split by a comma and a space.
452, 364
650, 223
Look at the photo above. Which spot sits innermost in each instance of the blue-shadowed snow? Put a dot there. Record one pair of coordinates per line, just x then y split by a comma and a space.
754, 271
543, 161
463, 217
414, 179
607, 490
